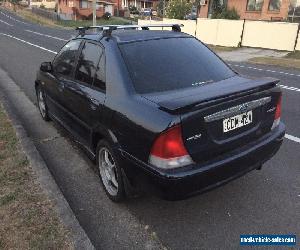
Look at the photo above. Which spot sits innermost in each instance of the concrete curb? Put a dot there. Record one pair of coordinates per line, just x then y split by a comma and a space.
48, 184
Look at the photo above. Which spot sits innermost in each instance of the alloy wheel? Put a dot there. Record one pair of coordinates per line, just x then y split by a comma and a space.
107, 169
41, 103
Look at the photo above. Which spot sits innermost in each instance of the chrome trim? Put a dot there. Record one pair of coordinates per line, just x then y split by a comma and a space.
236, 110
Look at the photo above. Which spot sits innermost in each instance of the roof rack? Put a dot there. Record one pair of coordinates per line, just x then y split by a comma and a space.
108, 29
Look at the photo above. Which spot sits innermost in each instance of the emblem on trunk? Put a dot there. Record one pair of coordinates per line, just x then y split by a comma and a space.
271, 110
243, 107
195, 137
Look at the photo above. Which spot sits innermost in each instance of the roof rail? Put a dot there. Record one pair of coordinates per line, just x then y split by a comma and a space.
107, 29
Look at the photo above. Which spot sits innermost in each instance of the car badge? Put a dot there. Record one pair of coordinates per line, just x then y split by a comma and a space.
243, 107
195, 137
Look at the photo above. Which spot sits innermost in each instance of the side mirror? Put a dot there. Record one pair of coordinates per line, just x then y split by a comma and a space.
46, 67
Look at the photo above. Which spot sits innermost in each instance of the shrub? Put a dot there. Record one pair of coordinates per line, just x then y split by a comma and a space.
160, 8
226, 14
177, 9
133, 10
217, 7
83, 17
106, 16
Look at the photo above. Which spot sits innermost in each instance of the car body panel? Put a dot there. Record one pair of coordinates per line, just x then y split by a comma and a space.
192, 180
131, 122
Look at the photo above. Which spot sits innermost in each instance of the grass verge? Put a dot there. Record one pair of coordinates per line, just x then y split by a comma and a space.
111, 21
27, 217
217, 48
28, 15
288, 62
293, 55
291, 60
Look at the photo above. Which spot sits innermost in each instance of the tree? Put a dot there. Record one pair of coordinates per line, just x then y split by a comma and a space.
220, 11
217, 7
177, 9
227, 14
14, 3
160, 8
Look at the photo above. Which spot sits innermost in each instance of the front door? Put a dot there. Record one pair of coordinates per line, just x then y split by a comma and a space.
84, 100
63, 69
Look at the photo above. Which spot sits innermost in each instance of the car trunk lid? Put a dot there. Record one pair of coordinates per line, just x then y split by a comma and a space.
209, 114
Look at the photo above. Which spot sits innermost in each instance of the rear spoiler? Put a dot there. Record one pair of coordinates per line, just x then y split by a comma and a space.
215, 93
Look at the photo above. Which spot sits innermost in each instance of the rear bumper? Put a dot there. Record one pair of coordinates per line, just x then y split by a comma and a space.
191, 180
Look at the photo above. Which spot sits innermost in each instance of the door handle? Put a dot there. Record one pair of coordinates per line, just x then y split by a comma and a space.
61, 86
94, 103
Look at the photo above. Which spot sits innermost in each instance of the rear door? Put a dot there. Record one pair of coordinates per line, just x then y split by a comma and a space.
85, 95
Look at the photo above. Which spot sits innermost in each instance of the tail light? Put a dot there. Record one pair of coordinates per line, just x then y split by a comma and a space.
168, 150
277, 114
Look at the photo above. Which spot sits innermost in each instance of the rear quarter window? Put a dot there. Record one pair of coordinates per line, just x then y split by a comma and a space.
173, 63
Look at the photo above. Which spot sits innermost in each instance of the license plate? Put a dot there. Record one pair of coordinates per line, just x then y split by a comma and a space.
237, 121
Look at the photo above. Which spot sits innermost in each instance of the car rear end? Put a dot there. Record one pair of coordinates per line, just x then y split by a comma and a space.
215, 143
224, 125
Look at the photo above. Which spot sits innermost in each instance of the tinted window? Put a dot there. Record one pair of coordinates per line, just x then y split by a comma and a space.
64, 62
168, 64
87, 63
99, 81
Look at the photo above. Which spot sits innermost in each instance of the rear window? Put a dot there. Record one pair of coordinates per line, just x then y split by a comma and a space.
173, 63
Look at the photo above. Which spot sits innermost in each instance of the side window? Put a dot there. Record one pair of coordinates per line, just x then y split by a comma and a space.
99, 81
87, 63
65, 61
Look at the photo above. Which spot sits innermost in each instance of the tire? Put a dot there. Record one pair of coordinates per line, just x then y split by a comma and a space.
110, 172
40, 96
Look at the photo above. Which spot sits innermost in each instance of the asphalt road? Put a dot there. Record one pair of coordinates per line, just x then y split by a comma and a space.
266, 201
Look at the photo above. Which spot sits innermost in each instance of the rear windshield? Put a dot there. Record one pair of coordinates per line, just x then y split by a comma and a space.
173, 63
